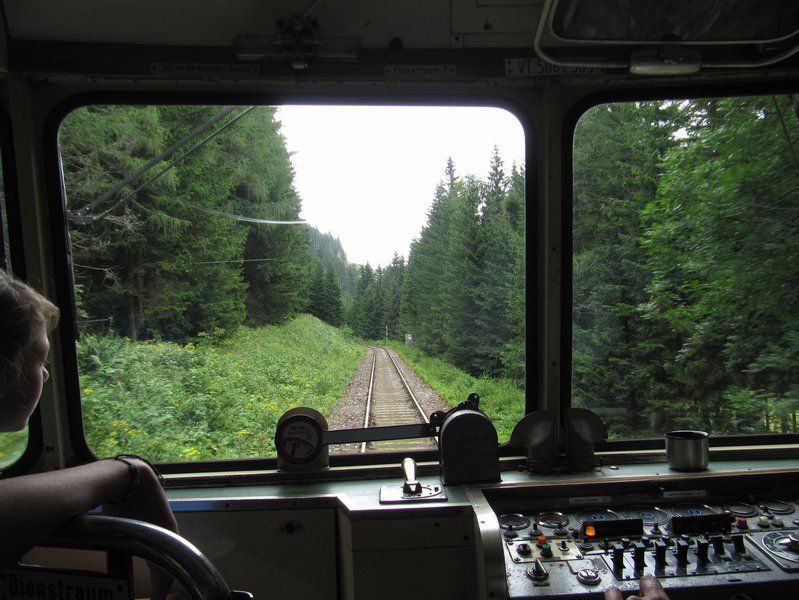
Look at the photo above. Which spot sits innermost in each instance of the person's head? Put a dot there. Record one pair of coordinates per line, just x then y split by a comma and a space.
26, 317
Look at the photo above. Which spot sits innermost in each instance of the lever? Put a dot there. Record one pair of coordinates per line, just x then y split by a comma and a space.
702, 546
660, 553
682, 552
718, 544
639, 559
411, 487
618, 560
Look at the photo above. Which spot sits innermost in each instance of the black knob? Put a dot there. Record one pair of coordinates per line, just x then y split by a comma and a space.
625, 542
718, 544
638, 556
655, 529
660, 553
524, 550
618, 558
682, 552
702, 546
738, 543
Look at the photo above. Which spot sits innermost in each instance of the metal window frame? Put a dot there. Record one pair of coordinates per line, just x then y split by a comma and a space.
569, 124
59, 229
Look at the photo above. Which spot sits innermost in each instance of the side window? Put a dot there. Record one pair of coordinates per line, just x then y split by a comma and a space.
685, 278
232, 263
12, 444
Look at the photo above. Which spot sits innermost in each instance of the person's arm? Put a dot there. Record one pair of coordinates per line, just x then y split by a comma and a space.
33, 506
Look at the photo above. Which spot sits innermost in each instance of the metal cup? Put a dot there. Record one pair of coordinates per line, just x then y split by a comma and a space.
687, 450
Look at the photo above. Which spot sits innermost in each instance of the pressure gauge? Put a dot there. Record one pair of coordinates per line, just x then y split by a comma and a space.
299, 440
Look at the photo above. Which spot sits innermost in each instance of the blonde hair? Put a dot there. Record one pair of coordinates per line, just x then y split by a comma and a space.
21, 309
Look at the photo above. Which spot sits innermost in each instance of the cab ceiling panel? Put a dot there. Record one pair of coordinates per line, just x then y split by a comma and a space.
417, 23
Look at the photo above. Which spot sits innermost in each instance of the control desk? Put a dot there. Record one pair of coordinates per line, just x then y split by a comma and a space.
708, 535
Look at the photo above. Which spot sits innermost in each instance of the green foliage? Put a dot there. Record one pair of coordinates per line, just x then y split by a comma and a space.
166, 260
12, 445
685, 238
172, 402
463, 290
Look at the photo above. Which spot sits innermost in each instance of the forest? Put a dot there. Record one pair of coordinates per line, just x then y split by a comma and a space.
684, 270
686, 265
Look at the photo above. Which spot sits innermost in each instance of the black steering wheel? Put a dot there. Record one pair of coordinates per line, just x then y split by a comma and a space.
174, 554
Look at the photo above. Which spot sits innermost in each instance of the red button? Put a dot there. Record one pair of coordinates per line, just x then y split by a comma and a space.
742, 524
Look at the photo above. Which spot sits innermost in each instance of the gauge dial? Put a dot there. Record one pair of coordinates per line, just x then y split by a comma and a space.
298, 439
778, 507
553, 519
650, 515
596, 514
693, 510
513, 521
741, 509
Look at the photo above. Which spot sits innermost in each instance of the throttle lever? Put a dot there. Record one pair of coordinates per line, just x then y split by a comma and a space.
411, 487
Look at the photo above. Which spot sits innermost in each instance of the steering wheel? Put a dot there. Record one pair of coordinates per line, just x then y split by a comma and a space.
174, 554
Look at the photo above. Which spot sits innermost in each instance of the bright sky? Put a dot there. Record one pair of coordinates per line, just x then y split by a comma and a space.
368, 174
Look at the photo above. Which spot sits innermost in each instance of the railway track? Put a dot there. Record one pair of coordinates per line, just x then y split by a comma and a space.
390, 401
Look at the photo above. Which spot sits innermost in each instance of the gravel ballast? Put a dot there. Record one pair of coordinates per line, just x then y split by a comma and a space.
349, 411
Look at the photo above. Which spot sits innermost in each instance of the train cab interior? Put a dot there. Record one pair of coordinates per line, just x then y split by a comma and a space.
594, 303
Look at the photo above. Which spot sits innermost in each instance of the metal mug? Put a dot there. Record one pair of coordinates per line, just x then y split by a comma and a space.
687, 450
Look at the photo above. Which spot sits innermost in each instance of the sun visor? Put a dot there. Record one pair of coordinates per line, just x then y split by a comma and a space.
667, 36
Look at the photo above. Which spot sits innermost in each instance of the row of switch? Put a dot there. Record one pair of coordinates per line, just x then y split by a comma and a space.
681, 552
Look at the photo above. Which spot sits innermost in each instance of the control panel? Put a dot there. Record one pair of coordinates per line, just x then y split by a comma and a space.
556, 552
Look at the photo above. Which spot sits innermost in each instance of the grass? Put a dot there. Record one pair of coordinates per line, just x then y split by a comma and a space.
218, 400
175, 403
501, 399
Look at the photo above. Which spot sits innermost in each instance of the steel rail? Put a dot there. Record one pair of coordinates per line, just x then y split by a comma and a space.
407, 387
369, 395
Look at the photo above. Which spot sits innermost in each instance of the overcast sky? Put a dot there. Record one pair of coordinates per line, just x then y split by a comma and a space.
368, 174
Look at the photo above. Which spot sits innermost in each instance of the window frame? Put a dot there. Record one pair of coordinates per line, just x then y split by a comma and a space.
572, 117
62, 253
13, 220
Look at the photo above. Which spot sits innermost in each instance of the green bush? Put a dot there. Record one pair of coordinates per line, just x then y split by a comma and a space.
211, 400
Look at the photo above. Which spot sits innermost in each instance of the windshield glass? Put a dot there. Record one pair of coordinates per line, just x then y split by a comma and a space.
232, 263
685, 272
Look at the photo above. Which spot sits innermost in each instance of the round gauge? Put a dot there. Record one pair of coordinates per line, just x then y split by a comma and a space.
596, 514
650, 515
778, 507
741, 509
513, 521
556, 520
298, 439
783, 545
693, 510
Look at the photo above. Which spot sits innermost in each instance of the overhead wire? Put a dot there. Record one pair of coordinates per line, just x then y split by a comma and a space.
154, 161
85, 219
